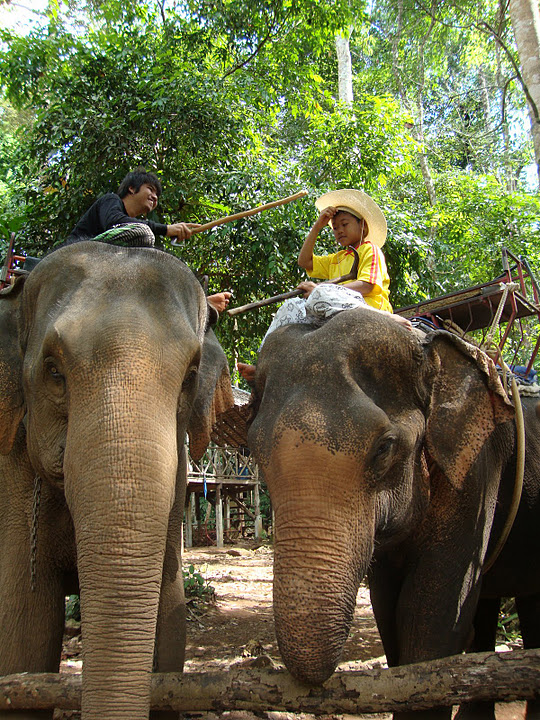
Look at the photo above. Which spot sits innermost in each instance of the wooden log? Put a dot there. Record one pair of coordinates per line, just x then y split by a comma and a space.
502, 677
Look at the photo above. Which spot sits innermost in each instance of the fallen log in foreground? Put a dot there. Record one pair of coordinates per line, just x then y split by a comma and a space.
450, 681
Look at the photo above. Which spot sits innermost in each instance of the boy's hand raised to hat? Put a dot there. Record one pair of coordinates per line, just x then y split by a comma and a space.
326, 215
305, 256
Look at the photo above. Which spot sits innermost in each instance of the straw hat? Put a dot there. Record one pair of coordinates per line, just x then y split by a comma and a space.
360, 205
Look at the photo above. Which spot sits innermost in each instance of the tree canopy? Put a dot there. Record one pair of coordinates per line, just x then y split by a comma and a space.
235, 104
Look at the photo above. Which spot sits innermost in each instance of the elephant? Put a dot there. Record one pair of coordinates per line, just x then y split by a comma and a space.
383, 449
107, 359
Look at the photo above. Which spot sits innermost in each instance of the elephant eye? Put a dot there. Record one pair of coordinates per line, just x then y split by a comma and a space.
383, 454
385, 447
51, 368
190, 378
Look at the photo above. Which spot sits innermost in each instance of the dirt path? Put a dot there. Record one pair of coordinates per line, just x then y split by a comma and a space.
242, 613
240, 623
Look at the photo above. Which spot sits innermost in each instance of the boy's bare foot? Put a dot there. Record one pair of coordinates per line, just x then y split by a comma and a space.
247, 372
402, 320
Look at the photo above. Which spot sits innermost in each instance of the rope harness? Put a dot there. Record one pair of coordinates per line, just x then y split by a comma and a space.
490, 347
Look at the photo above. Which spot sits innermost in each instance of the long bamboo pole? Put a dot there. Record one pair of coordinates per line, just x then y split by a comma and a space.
246, 213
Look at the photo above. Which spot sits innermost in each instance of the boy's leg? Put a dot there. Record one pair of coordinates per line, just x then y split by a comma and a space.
292, 311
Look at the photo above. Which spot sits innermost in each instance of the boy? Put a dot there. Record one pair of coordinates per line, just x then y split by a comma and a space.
357, 222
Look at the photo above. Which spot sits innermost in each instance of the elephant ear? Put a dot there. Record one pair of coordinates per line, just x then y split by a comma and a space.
11, 391
214, 395
468, 402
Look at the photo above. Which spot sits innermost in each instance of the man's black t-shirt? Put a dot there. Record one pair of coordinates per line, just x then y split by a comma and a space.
107, 212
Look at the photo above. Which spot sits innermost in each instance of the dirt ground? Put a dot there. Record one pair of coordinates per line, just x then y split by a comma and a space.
239, 624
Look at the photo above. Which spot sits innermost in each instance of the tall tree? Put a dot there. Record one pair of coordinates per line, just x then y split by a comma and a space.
525, 16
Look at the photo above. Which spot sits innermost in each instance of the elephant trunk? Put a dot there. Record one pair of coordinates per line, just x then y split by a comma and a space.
120, 487
322, 552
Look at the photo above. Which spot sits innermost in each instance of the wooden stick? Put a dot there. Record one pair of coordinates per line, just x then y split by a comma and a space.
296, 293
245, 213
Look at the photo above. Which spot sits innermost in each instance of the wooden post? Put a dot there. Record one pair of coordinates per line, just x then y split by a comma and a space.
198, 516
219, 516
227, 514
257, 507
188, 537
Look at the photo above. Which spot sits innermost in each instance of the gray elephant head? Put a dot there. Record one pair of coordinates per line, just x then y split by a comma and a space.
107, 355
374, 442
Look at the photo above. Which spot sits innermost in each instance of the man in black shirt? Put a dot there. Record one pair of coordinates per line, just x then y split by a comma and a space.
115, 218
119, 218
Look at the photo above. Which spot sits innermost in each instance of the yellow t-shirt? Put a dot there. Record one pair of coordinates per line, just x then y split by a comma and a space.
371, 269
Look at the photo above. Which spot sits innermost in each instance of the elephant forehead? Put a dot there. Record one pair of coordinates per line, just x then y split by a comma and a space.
359, 335
108, 271
348, 426
150, 289
120, 331
354, 349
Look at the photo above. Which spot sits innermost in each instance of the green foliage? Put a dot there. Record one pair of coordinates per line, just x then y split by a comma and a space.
508, 629
233, 104
196, 586
469, 252
73, 608
454, 67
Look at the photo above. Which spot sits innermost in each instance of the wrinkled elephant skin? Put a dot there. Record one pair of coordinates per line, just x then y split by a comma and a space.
106, 353
383, 450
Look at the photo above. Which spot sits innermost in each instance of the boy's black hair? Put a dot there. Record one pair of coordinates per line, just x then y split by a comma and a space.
136, 179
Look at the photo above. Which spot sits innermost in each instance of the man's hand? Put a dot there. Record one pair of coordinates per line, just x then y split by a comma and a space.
182, 231
219, 301
307, 287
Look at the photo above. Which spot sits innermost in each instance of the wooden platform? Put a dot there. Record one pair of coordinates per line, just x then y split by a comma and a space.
228, 480
508, 298
473, 308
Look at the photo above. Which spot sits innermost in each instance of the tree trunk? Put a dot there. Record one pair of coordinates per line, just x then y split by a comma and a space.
503, 677
345, 86
525, 17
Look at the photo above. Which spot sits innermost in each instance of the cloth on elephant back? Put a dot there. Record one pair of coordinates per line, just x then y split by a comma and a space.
129, 235
125, 235
325, 301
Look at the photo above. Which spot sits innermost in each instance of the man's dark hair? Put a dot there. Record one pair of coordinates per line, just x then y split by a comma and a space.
136, 179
